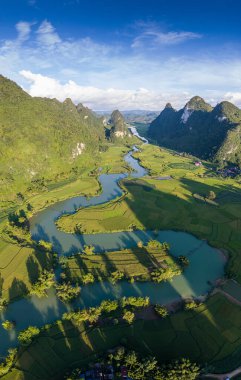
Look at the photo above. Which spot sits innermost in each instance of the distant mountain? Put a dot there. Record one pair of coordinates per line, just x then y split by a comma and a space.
42, 137
201, 130
134, 116
140, 116
118, 125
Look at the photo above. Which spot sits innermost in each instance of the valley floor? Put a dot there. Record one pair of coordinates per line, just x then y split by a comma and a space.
209, 334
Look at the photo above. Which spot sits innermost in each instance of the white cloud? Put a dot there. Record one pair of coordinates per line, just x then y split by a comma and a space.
24, 30
105, 76
97, 98
152, 37
47, 34
234, 97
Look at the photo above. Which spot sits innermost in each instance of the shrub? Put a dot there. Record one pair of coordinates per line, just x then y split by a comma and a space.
161, 311
128, 316
116, 276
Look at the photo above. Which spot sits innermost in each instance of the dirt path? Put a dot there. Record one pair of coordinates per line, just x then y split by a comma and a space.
224, 376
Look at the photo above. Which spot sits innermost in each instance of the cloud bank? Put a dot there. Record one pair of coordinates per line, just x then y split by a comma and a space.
144, 72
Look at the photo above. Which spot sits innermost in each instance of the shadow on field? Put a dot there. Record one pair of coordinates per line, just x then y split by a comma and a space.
182, 212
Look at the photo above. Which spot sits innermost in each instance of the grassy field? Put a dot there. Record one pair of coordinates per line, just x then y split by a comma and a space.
170, 204
136, 263
210, 333
20, 266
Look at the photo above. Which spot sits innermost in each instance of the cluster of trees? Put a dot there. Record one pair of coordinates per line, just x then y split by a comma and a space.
25, 337
161, 311
155, 244
148, 367
164, 274
67, 292
116, 276
135, 302
140, 368
46, 245
92, 315
191, 305
87, 278
45, 281
8, 362
19, 219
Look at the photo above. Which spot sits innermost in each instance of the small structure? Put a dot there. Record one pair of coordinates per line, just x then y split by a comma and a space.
198, 163
124, 373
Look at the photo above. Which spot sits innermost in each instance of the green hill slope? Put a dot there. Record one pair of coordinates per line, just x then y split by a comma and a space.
201, 130
41, 137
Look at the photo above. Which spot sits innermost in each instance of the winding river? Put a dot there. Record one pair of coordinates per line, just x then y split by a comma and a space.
206, 263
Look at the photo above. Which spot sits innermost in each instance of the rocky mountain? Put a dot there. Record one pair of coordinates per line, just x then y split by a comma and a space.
42, 137
118, 125
201, 130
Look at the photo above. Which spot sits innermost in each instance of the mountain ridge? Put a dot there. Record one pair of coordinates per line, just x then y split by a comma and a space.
200, 129
42, 137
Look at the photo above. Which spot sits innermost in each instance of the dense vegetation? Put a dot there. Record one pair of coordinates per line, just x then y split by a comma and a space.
41, 139
139, 368
201, 130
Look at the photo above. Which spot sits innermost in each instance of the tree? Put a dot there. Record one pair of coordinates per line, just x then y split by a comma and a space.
89, 250
46, 245
164, 274
161, 310
77, 317
7, 364
66, 292
88, 278
155, 244
8, 325
128, 316
182, 370
190, 305
45, 281
183, 260
211, 196
25, 337
108, 306
116, 276
135, 301
3, 303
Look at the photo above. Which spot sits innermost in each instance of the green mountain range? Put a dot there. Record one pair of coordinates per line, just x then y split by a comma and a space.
201, 130
41, 137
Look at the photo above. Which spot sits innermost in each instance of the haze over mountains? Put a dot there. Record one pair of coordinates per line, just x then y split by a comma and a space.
200, 129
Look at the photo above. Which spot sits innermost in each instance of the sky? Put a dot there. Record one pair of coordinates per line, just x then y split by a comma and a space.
125, 54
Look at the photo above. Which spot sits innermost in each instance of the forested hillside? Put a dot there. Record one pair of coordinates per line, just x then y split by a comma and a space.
201, 130
42, 139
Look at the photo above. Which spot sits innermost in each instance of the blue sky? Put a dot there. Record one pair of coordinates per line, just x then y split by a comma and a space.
135, 54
